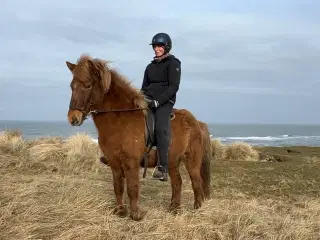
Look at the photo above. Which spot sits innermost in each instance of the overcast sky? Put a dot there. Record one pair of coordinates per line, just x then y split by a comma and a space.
241, 61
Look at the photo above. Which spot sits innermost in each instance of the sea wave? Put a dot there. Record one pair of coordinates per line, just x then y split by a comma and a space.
281, 140
269, 138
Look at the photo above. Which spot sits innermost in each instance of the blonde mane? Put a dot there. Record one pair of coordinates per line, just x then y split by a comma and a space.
123, 83
119, 80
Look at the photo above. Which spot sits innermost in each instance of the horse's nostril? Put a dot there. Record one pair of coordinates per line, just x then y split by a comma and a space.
74, 121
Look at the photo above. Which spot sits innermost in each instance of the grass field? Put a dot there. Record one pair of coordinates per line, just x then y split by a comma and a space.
54, 189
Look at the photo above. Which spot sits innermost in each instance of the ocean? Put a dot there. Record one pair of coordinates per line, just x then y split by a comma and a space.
254, 134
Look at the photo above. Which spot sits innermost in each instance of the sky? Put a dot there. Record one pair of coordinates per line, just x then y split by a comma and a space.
242, 61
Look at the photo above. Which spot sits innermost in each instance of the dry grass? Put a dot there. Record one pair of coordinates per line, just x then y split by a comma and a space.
237, 151
55, 189
12, 141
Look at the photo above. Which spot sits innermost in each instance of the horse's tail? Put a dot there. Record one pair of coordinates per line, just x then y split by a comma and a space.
207, 155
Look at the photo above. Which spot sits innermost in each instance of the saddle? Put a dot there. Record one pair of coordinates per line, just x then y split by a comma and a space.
150, 129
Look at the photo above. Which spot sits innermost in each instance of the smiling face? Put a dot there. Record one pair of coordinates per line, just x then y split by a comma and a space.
88, 85
158, 50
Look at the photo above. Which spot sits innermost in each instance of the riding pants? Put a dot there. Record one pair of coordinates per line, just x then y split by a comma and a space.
163, 132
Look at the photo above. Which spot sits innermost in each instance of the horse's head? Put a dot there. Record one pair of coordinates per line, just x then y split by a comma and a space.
91, 80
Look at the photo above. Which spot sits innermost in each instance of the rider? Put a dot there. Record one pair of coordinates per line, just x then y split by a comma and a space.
160, 84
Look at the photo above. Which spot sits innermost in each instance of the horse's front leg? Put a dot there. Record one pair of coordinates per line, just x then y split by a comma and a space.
176, 183
118, 185
133, 190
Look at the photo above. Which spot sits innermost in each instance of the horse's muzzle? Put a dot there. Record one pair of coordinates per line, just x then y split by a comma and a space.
75, 117
75, 121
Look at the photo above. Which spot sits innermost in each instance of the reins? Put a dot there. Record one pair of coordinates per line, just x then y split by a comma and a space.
114, 110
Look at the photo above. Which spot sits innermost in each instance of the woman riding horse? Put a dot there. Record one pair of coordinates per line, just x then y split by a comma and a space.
160, 84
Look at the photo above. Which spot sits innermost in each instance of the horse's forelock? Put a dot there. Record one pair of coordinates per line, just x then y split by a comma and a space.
87, 66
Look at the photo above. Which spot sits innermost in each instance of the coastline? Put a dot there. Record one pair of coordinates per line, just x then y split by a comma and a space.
253, 134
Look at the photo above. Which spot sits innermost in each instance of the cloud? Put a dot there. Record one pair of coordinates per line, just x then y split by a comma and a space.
270, 49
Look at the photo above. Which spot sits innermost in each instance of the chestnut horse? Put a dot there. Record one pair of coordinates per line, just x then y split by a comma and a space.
119, 112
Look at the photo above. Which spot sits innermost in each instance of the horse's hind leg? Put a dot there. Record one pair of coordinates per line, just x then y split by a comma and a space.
193, 165
118, 185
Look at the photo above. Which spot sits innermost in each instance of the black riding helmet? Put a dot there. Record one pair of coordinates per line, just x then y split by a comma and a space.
162, 39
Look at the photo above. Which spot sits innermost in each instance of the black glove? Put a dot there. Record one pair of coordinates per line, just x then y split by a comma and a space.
154, 104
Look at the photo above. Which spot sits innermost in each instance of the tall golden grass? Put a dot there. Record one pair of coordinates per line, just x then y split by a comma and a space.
75, 153
238, 151
56, 189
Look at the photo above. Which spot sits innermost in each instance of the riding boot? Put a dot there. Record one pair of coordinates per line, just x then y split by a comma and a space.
161, 170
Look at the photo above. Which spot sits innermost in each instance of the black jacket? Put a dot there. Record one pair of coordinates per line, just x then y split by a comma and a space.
162, 79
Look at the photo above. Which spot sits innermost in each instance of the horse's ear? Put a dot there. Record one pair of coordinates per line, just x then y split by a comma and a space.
92, 66
70, 65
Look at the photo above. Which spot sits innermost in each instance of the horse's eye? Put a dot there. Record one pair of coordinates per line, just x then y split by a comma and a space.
87, 86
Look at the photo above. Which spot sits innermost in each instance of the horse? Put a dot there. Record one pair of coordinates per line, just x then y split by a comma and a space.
121, 116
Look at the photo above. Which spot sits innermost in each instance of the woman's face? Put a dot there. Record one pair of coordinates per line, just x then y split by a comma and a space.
158, 50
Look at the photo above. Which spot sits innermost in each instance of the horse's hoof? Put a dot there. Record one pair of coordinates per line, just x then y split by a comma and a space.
197, 205
104, 160
120, 211
137, 216
175, 208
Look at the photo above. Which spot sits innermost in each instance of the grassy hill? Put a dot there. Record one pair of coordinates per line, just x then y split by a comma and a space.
55, 189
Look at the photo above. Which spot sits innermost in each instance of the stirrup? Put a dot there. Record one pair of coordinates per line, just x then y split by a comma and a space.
155, 169
164, 176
